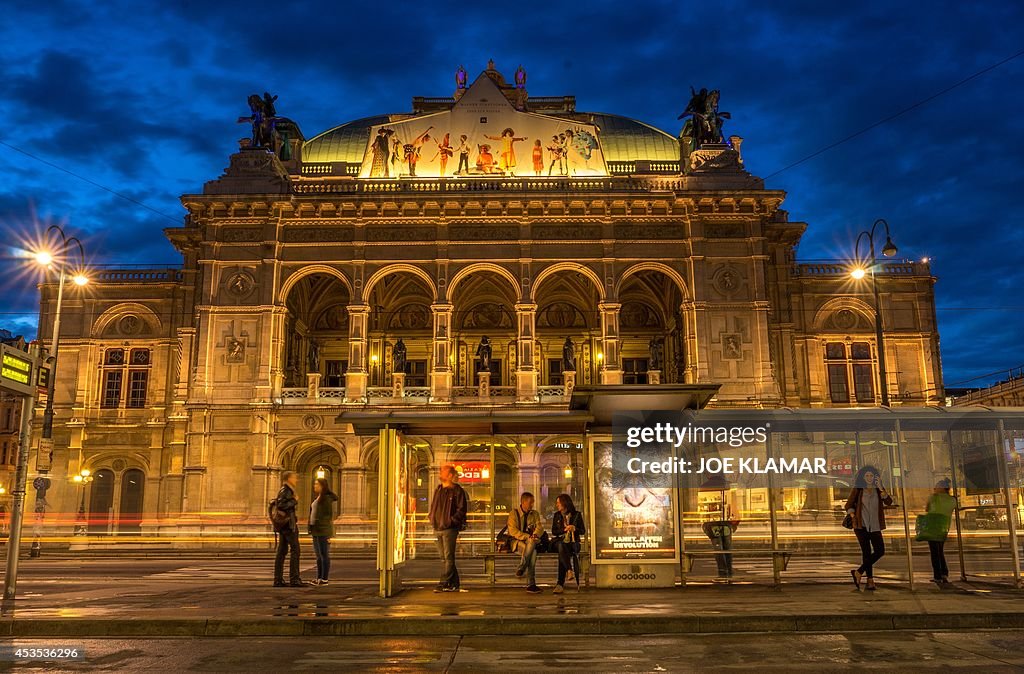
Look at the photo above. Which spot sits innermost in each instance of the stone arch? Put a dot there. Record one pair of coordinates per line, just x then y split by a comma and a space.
468, 270
107, 318
668, 271
395, 269
550, 270
864, 310
95, 462
300, 448
309, 270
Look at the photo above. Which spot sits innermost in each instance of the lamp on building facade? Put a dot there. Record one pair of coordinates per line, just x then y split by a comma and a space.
83, 478
867, 265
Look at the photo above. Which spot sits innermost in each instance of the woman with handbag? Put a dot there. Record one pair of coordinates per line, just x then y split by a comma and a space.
865, 509
566, 529
933, 527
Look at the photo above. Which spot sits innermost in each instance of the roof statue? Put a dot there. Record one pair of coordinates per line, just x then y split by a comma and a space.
704, 125
461, 78
520, 77
263, 119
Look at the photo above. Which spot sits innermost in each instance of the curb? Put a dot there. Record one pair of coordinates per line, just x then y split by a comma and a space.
514, 625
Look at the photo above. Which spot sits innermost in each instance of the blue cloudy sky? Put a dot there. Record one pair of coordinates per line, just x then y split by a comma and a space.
142, 97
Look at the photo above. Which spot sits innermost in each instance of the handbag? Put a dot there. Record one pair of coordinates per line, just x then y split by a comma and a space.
848, 521
503, 541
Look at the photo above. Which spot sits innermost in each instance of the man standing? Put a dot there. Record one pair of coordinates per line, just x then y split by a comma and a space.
525, 527
287, 533
448, 517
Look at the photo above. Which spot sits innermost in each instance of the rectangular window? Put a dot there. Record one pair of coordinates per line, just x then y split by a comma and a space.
860, 351
415, 373
335, 373
555, 372
838, 386
835, 351
864, 382
634, 370
138, 381
111, 389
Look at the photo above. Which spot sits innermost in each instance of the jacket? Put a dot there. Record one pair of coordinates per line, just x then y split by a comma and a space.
448, 508
521, 526
559, 521
855, 503
286, 502
321, 515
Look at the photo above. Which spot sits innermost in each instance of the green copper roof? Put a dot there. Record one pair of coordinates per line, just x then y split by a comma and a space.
623, 139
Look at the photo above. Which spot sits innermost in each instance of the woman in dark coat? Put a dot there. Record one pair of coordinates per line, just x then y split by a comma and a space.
321, 528
566, 529
866, 506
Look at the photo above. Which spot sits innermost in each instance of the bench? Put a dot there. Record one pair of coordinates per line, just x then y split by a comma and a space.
780, 558
583, 561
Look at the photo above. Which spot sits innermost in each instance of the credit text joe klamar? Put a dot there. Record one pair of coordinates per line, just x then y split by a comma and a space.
662, 434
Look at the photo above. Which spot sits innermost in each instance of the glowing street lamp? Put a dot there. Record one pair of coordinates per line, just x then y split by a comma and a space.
48, 259
858, 273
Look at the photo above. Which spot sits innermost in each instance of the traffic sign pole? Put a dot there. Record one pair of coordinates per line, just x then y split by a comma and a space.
20, 484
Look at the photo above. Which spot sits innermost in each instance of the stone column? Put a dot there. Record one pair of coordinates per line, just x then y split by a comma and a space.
441, 373
611, 369
526, 372
356, 376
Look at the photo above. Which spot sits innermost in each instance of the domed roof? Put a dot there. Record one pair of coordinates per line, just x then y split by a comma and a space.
623, 140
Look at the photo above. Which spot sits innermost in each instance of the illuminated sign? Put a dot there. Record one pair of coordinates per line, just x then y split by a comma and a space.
632, 519
15, 371
473, 471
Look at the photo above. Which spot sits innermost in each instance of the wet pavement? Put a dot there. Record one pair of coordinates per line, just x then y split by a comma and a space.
988, 651
232, 596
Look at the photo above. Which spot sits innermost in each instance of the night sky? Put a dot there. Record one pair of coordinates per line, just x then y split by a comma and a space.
144, 101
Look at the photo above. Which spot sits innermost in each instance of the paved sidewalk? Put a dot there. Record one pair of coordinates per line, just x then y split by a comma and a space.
175, 604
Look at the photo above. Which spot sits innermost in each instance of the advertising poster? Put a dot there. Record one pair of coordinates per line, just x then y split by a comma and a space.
633, 521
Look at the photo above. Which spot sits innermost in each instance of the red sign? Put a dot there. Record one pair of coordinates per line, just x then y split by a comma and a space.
473, 471
841, 465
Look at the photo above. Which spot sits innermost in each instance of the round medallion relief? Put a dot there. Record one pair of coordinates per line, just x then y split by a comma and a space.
240, 284
312, 422
844, 319
129, 325
727, 281
118, 465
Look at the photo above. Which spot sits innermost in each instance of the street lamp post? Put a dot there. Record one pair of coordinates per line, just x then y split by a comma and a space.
83, 478
858, 272
48, 259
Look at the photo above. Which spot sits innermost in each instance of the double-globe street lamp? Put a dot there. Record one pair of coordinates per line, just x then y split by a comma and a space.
865, 266
56, 258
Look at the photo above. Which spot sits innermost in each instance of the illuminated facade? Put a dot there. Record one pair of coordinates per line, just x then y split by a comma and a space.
187, 391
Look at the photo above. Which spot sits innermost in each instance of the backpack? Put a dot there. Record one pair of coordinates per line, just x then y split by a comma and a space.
279, 519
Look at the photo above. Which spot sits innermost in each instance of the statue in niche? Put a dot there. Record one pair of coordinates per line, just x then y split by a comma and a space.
398, 356
483, 353
657, 353
313, 356
236, 351
568, 356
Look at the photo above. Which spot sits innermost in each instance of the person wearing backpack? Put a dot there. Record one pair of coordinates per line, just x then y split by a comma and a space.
282, 514
525, 528
321, 527
941, 505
